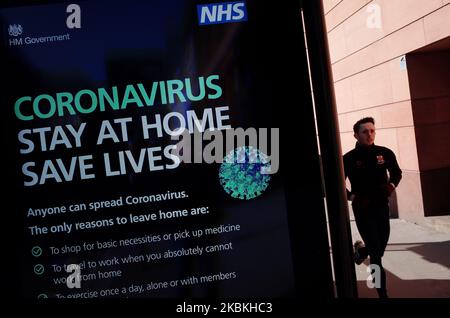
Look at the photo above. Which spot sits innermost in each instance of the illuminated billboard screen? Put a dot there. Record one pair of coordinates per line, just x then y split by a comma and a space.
160, 149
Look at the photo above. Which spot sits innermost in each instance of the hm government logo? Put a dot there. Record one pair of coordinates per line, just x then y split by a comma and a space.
15, 29
73, 21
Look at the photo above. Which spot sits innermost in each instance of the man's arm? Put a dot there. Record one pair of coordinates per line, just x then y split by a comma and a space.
350, 196
395, 173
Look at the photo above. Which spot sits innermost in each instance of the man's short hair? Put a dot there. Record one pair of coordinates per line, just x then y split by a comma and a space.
364, 120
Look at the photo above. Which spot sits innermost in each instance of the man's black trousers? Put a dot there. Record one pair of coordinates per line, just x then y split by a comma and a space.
372, 221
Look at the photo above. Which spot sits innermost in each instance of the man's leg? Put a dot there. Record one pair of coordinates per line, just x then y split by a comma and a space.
381, 284
384, 228
367, 228
374, 230
362, 224
382, 213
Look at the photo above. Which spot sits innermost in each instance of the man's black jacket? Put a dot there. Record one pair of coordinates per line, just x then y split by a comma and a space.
367, 167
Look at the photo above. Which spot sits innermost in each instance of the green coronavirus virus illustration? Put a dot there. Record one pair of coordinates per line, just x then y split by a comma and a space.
243, 173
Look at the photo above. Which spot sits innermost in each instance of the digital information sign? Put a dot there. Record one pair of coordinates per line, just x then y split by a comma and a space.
125, 177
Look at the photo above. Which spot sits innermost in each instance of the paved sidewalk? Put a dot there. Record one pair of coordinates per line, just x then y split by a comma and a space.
417, 262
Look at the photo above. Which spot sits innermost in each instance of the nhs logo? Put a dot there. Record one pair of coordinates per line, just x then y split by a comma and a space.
225, 12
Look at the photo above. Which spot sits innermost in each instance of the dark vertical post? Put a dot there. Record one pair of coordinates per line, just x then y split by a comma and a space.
330, 148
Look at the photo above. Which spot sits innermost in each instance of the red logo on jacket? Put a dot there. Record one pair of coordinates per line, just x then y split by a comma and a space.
380, 159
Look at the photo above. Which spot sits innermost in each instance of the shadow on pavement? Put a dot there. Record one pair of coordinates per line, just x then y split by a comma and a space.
432, 252
399, 288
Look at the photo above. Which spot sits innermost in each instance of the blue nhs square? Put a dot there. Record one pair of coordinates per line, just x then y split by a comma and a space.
224, 12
